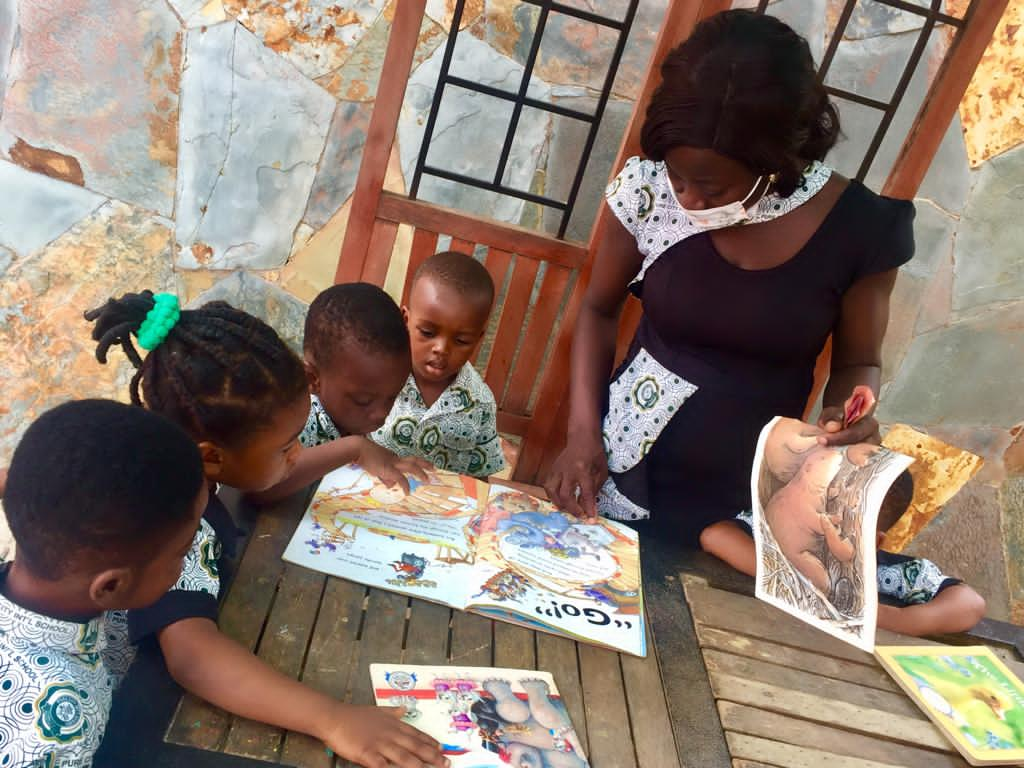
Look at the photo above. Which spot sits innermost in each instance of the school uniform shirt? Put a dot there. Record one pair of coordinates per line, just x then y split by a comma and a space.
902, 580
197, 591
459, 432
57, 679
320, 427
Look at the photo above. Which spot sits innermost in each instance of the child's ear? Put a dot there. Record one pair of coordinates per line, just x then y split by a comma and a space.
213, 460
405, 314
110, 589
312, 375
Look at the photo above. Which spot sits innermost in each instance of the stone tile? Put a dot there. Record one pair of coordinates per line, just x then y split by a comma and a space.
316, 36
962, 541
313, 265
934, 232
336, 177
991, 107
872, 67
199, 13
989, 266
990, 443
6, 259
1012, 503
904, 307
48, 353
253, 130
937, 300
97, 81
967, 373
275, 306
871, 19
463, 118
442, 12
38, 209
359, 78
8, 30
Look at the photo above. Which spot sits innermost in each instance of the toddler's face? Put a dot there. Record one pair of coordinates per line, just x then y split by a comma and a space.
269, 453
444, 329
358, 388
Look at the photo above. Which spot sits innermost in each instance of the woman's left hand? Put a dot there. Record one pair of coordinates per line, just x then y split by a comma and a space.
863, 431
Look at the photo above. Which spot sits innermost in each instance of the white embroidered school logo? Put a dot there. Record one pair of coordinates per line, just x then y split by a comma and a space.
60, 713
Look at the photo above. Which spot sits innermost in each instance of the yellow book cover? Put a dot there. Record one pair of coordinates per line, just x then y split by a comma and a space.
968, 693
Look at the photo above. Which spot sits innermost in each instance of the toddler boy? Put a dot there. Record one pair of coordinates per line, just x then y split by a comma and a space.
103, 500
445, 413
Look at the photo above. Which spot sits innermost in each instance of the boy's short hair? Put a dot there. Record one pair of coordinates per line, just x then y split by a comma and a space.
460, 272
96, 476
896, 502
354, 312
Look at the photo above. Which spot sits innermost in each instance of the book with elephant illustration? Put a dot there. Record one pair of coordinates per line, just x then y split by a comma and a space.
489, 549
972, 696
484, 717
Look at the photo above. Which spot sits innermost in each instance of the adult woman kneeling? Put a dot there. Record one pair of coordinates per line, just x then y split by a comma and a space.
747, 252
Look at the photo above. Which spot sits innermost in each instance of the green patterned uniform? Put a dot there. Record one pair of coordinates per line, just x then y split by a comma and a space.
56, 683
459, 432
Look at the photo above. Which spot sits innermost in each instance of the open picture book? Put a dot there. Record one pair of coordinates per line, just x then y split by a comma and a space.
484, 717
815, 513
974, 699
490, 549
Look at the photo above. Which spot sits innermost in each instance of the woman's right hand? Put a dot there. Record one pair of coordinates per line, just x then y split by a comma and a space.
583, 465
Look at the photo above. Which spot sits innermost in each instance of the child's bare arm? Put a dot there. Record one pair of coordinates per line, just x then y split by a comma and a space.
3, 482
726, 541
955, 609
212, 666
313, 463
842, 549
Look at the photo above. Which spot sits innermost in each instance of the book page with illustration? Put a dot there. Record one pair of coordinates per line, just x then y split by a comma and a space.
360, 529
549, 570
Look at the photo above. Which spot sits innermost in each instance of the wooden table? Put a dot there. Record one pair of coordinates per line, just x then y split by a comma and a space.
788, 695
326, 632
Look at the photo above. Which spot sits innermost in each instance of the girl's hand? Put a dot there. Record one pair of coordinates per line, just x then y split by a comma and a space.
577, 475
854, 422
376, 737
390, 468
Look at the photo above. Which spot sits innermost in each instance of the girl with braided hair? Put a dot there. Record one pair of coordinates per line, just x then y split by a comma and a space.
229, 380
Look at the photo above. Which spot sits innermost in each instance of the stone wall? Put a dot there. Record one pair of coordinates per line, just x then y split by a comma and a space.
211, 147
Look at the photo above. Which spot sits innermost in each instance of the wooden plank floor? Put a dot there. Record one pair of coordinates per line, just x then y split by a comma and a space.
790, 696
326, 632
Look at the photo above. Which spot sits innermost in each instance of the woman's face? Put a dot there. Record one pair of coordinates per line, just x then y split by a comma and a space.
702, 178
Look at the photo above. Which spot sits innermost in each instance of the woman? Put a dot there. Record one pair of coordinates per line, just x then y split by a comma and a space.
747, 253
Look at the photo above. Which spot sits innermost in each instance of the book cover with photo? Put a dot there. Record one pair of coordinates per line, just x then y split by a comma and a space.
815, 513
484, 717
489, 549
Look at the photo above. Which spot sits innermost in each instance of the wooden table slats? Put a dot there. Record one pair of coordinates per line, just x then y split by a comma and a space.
793, 697
326, 632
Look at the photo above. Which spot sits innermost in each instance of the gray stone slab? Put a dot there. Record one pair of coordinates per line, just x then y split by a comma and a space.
38, 209
934, 231
966, 373
97, 81
339, 167
8, 29
470, 129
275, 306
873, 19
252, 133
6, 259
197, 13
988, 256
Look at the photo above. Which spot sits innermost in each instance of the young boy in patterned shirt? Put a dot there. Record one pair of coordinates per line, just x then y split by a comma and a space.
103, 500
915, 597
445, 413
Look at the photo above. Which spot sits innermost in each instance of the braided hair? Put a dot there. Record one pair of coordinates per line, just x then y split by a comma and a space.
219, 373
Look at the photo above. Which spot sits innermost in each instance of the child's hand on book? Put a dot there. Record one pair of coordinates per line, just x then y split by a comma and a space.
390, 468
376, 737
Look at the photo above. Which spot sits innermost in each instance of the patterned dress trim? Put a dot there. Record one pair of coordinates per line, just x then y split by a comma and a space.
320, 428
642, 198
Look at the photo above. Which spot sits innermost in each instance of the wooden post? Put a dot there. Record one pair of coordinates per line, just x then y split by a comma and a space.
943, 99
380, 137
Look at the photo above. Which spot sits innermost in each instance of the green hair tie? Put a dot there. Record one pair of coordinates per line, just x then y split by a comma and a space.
159, 321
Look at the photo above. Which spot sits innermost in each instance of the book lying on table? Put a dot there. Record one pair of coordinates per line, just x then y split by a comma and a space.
492, 550
974, 699
484, 717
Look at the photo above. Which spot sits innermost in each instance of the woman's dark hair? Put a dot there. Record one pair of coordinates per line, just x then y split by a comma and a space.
220, 373
744, 85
